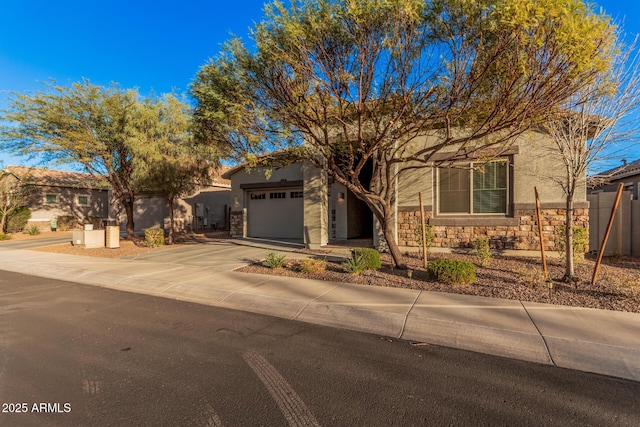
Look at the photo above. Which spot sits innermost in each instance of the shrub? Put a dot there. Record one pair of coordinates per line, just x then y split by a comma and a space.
429, 234
4, 237
31, 230
580, 243
67, 222
275, 260
483, 252
452, 271
356, 264
153, 237
531, 277
370, 257
313, 266
17, 221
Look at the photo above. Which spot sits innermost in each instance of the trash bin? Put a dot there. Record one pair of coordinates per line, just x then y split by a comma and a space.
54, 225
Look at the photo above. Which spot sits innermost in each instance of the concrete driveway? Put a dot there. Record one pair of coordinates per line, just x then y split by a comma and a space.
222, 255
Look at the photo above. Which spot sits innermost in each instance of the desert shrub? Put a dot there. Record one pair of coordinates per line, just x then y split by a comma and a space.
31, 230
356, 264
313, 266
429, 234
4, 237
452, 271
370, 257
483, 252
531, 277
580, 243
17, 221
153, 237
275, 260
67, 222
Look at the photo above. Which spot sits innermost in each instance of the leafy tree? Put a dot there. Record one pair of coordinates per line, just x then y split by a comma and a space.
92, 126
14, 192
588, 127
175, 168
356, 83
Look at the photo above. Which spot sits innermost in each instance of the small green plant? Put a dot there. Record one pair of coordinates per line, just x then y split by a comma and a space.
356, 264
313, 266
580, 243
31, 230
429, 234
452, 271
370, 257
275, 260
483, 251
4, 237
153, 237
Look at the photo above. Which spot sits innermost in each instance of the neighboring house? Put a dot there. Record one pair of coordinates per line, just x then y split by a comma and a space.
475, 198
627, 173
206, 209
624, 238
77, 198
67, 197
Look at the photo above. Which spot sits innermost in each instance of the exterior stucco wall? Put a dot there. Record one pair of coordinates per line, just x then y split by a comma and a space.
258, 175
215, 202
534, 162
67, 204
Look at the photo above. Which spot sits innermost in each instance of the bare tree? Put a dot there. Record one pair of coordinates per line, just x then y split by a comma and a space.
591, 125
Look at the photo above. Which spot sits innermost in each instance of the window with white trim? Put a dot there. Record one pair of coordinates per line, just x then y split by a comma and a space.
51, 199
83, 200
476, 188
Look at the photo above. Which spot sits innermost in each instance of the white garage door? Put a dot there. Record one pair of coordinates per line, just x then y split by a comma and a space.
275, 213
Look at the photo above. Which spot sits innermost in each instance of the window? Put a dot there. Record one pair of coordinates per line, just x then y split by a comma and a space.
51, 199
278, 195
296, 194
479, 188
83, 200
257, 196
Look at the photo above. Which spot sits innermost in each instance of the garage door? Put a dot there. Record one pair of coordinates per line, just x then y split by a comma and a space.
275, 213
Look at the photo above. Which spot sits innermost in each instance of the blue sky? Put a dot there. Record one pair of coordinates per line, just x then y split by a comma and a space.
151, 45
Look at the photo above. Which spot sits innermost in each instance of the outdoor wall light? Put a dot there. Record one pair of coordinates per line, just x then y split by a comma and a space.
341, 197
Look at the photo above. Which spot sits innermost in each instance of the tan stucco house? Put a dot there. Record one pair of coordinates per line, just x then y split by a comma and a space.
72, 198
67, 197
488, 194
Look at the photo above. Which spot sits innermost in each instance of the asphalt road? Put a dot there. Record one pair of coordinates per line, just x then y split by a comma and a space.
75, 355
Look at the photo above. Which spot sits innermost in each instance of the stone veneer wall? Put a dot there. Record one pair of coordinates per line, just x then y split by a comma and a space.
236, 221
523, 236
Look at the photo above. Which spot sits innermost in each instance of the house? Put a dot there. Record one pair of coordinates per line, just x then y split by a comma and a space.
624, 237
627, 173
73, 198
206, 209
66, 197
476, 197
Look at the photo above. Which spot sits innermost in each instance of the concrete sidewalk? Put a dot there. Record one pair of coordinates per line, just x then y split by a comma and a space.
599, 341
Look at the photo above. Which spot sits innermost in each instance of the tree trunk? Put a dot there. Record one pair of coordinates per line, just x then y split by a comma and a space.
3, 220
171, 220
569, 270
128, 208
387, 230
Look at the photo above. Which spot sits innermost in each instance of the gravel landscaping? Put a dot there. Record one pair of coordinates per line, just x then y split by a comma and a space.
617, 287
